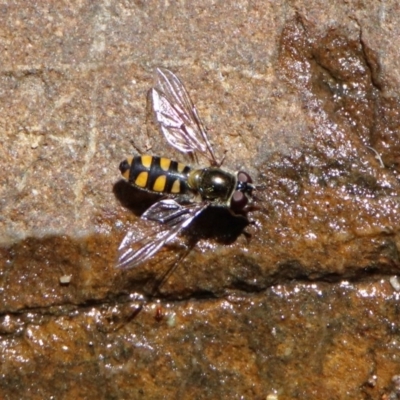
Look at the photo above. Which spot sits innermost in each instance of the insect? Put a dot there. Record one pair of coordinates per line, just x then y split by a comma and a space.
184, 191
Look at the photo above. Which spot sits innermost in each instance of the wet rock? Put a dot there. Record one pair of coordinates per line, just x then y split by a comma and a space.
283, 305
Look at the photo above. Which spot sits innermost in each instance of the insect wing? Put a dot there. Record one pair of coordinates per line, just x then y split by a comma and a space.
170, 212
134, 250
177, 116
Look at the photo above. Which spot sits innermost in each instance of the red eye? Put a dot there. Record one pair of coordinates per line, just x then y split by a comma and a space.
238, 201
244, 177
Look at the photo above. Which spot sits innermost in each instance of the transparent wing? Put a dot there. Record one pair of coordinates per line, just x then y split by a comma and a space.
134, 249
177, 116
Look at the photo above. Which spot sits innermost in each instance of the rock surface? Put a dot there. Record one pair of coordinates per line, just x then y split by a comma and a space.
301, 302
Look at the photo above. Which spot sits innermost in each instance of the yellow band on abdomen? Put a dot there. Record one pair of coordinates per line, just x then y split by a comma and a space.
176, 186
146, 160
180, 167
165, 163
159, 184
141, 179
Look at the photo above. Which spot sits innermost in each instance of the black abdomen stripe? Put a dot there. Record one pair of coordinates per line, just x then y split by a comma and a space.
158, 174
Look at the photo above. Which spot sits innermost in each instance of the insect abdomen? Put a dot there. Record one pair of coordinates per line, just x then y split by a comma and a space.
155, 174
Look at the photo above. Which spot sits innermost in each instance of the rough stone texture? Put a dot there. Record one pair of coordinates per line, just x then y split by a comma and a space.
302, 95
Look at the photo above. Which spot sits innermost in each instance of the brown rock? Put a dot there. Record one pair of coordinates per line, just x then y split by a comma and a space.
305, 98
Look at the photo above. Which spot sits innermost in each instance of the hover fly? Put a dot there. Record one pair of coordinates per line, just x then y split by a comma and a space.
184, 191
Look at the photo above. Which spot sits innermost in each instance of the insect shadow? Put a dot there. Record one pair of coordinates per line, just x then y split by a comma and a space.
216, 224
225, 231
132, 198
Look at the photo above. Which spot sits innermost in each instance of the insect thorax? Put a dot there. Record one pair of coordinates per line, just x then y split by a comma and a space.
212, 184
156, 174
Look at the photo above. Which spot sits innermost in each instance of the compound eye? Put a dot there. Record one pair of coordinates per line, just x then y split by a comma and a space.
244, 177
238, 201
